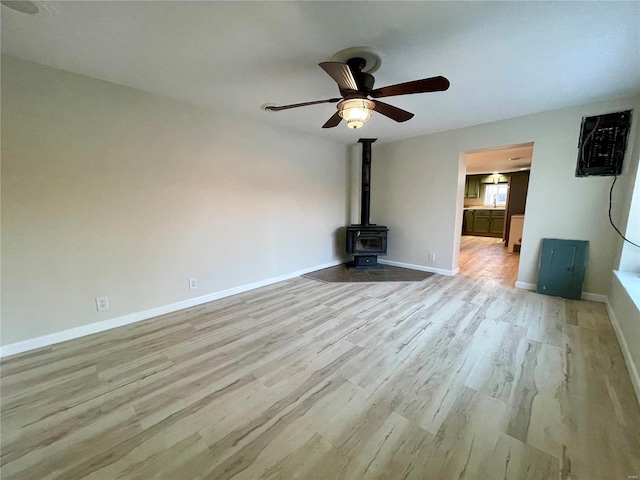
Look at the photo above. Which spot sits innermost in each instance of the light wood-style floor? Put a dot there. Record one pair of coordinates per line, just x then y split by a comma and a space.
452, 378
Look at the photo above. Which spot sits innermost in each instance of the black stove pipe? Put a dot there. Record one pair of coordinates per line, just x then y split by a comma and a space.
365, 199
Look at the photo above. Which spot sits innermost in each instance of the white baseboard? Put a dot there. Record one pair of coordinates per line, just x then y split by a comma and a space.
526, 286
593, 297
63, 336
422, 268
626, 353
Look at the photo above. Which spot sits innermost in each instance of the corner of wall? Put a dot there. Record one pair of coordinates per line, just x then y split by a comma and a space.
624, 313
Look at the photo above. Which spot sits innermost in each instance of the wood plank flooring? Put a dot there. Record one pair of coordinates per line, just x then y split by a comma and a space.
459, 377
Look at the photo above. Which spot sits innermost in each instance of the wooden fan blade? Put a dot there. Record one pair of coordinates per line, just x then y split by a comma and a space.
333, 121
342, 75
273, 108
394, 113
433, 84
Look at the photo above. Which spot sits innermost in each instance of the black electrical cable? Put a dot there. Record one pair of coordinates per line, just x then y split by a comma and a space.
611, 220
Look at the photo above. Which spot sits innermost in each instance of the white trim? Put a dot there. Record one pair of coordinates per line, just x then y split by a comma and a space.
593, 297
631, 284
53, 338
626, 353
422, 268
526, 286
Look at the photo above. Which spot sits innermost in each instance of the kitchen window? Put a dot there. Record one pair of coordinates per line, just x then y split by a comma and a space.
496, 194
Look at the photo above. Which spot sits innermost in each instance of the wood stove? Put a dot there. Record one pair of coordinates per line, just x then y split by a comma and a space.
365, 241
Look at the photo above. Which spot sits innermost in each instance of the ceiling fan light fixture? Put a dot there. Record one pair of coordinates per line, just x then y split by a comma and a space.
356, 111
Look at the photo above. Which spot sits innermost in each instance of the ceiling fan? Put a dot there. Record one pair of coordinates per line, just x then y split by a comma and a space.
356, 86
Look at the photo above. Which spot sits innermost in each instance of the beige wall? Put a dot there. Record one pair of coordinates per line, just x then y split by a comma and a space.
625, 313
423, 181
624, 293
629, 208
108, 190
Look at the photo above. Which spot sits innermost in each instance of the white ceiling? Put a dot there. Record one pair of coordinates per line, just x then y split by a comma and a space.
511, 158
504, 59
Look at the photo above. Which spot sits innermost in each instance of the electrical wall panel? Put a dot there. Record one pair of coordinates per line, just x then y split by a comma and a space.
603, 142
562, 267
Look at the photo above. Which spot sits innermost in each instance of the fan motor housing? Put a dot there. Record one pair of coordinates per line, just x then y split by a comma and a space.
365, 80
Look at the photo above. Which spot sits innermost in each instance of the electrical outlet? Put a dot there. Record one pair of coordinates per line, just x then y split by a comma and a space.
432, 257
193, 283
102, 303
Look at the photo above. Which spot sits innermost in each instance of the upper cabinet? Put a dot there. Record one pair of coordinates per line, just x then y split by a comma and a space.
493, 179
473, 183
472, 187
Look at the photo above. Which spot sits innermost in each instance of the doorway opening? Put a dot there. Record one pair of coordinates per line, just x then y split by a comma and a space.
496, 182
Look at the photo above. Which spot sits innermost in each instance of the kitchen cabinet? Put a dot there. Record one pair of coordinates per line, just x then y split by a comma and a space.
496, 227
472, 187
493, 179
483, 222
473, 183
467, 222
